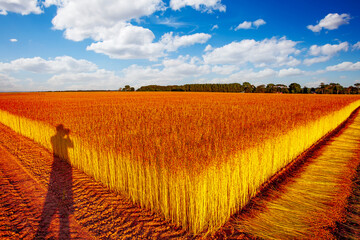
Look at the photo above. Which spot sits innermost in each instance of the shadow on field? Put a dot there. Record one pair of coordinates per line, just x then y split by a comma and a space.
59, 198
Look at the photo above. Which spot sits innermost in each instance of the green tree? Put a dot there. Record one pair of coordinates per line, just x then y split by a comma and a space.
295, 88
270, 88
357, 85
248, 88
260, 89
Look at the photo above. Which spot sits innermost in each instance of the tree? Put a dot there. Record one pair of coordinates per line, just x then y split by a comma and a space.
260, 89
295, 88
270, 88
281, 88
305, 90
248, 88
357, 85
127, 88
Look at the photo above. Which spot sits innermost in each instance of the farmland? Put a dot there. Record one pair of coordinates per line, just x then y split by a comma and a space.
196, 158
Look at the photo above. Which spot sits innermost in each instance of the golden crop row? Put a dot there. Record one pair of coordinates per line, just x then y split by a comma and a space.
195, 157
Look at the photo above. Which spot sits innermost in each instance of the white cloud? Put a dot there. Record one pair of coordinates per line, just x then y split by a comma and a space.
98, 80
356, 46
171, 71
248, 25
199, 5
8, 83
310, 61
345, 66
109, 26
134, 42
243, 25
316, 83
224, 69
328, 49
172, 43
331, 21
259, 22
215, 27
51, 66
170, 21
325, 52
83, 19
208, 48
23, 7
13, 40
268, 52
128, 42
60, 73
248, 75
290, 72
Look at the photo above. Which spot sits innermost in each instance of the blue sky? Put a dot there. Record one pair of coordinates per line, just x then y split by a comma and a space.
80, 44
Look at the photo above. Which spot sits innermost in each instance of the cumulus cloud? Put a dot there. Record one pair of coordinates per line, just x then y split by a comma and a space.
23, 7
259, 22
208, 48
199, 5
244, 25
248, 25
51, 66
98, 80
172, 43
171, 71
325, 52
134, 42
83, 19
310, 61
224, 69
345, 66
328, 49
248, 75
290, 72
268, 52
8, 83
60, 73
330, 22
109, 25
13, 40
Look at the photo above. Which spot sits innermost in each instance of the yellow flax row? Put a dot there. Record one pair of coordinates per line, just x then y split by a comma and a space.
198, 202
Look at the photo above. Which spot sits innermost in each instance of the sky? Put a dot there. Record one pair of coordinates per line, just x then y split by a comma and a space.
53, 45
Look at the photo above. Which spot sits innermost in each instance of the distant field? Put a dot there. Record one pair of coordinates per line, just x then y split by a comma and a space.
195, 157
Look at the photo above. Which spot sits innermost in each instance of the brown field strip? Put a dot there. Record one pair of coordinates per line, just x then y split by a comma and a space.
311, 201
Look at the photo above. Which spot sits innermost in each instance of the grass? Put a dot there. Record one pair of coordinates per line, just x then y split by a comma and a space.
194, 157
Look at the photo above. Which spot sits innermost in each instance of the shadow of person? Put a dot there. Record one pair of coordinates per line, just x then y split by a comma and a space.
59, 198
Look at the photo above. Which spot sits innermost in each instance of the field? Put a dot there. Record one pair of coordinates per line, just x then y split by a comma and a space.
196, 158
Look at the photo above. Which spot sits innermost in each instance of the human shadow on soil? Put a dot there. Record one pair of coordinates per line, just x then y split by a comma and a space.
59, 198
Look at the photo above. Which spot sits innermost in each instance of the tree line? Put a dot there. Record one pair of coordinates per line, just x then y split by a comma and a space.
246, 87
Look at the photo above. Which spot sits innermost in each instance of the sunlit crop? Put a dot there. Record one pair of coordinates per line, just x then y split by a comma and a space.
195, 157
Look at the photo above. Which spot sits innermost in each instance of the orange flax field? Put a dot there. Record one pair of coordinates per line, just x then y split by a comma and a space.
196, 158
180, 129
